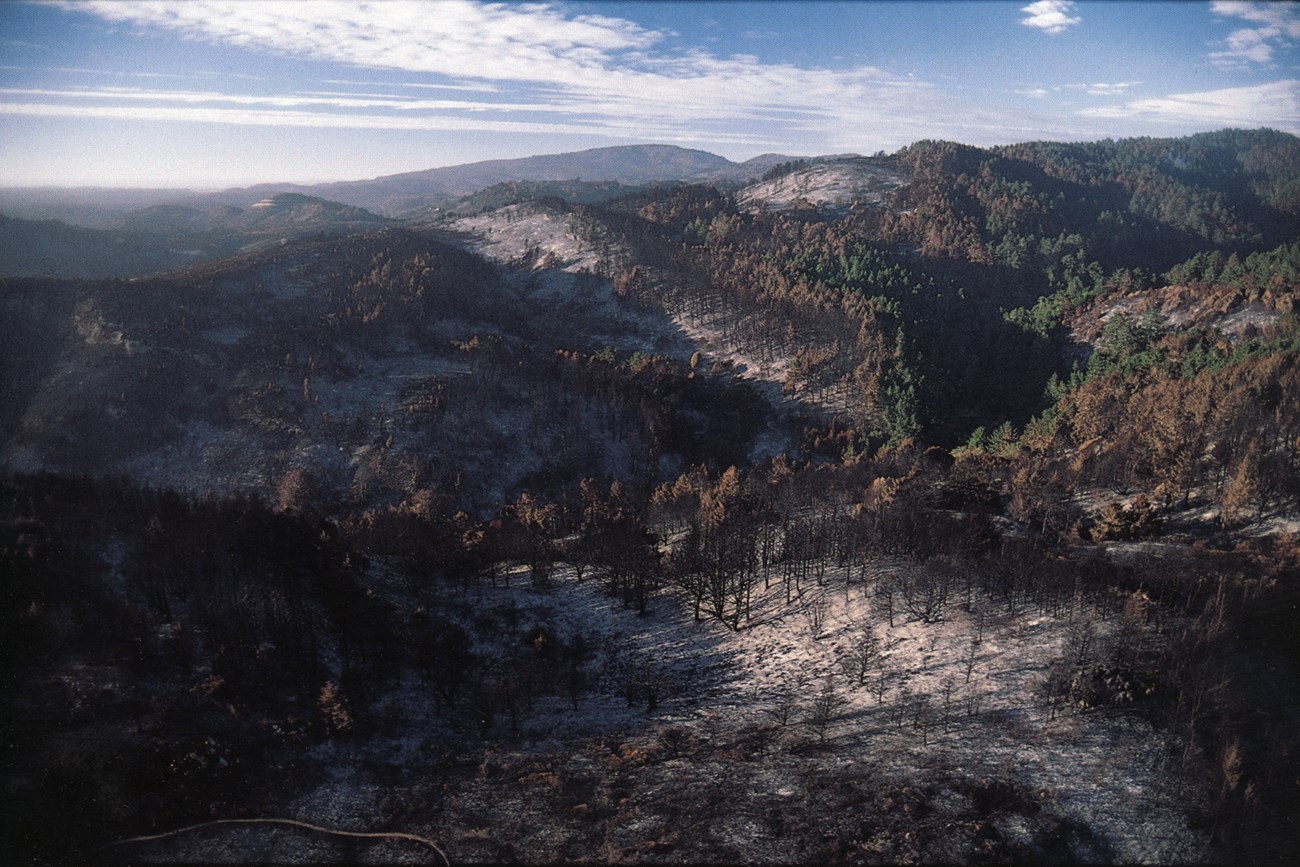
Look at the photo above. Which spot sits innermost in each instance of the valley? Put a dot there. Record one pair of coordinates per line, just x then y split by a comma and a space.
642, 506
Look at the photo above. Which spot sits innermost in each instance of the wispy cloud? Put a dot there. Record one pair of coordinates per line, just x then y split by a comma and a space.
82, 70
538, 68
326, 120
1101, 88
326, 99
611, 73
1276, 104
534, 42
1278, 30
1050, 16
467, 86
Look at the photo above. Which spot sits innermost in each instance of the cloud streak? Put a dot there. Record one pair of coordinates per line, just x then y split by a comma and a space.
1276, 104
326, 99
323, 120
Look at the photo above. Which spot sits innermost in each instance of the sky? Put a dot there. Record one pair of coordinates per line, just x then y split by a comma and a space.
209, 93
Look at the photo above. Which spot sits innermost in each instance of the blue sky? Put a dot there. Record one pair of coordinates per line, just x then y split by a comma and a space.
207, 93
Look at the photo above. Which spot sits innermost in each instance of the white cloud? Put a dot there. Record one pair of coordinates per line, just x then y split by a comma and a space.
1102, 88
1273, 14
537, 68
1276, 104
325, 99
612, 74
1050, 16
1279, 30
450, 37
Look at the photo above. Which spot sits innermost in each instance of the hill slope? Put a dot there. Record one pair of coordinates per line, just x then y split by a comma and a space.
376, 364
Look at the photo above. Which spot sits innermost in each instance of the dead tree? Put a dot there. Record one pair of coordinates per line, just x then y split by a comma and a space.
924, 591
972, 653
825, 709
863, 655
816, 612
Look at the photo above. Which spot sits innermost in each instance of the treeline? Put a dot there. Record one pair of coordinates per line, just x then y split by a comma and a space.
1273, 272
1182, 414
1071, 222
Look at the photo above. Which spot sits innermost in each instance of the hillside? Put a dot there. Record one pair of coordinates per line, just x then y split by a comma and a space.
48, 248
169, 236
937, 507
373, 365
88, 207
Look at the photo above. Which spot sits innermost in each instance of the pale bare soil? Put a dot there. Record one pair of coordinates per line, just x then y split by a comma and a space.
1175, 309
832, 185
561, 245
603, 781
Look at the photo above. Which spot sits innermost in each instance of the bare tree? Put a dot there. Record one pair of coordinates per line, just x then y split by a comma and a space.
1132, 630
787, 705
924, 590
902, 706
972, 653
922, 715
881, 684
863, 655
1055, 688
949, 688
885, 587
1080, 636
825, 709
816, 612
676, 741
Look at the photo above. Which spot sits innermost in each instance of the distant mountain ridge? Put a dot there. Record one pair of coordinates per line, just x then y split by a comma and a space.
391, 195
399, 194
